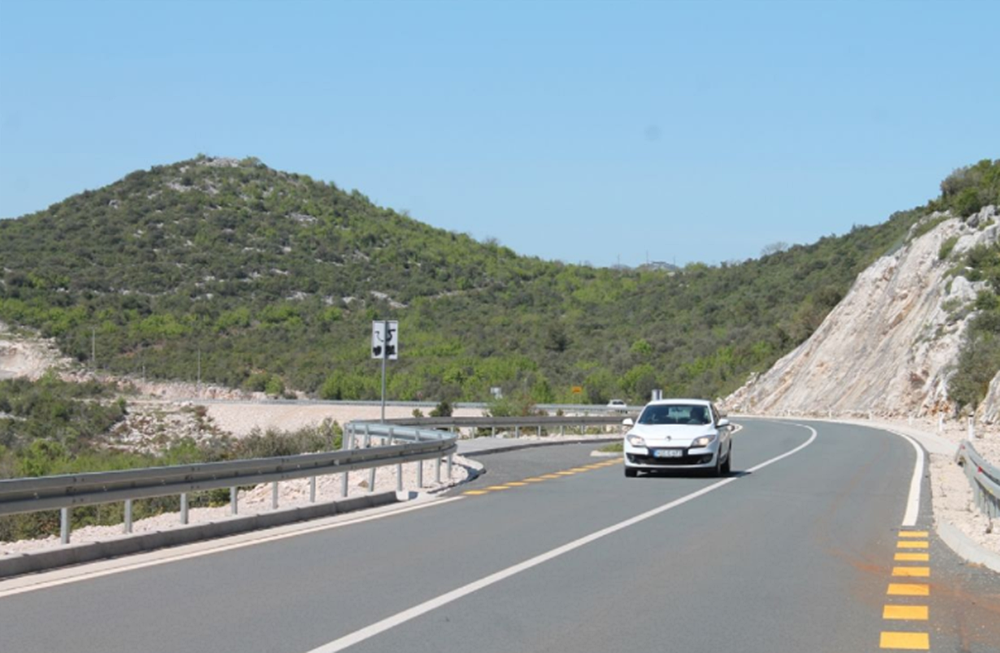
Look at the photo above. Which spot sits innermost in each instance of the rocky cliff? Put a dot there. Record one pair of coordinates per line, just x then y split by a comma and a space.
890, 346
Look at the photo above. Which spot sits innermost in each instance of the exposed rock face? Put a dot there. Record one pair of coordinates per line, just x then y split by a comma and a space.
890, 345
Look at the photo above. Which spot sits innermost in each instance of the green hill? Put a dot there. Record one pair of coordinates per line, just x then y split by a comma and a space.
273, 279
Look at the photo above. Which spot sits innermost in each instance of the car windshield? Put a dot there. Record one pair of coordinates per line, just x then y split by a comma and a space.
675, 414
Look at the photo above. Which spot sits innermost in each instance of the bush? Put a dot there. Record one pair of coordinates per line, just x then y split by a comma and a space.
443, 409
946, 248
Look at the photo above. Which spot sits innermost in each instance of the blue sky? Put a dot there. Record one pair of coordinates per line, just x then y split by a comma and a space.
580, 131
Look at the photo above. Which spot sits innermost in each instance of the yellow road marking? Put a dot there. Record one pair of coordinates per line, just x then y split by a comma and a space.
915, 612
567, 473
516, 483
909, 589
476, 492
498, 487
913, 534
912, 557
580, 469
906, 641
911, 545
534, 480
915, 572
549, 476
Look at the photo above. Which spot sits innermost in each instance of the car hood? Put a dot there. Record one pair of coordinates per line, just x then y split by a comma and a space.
671, 435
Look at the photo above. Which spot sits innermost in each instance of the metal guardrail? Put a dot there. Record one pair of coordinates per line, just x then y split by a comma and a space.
397, 445
983, 477
365, 446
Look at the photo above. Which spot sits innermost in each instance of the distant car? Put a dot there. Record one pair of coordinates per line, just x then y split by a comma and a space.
678, 434
617, 405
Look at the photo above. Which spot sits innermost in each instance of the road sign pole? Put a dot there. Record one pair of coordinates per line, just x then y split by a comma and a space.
385, 354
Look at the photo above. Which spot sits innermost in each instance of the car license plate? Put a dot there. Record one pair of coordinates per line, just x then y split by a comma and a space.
668, 453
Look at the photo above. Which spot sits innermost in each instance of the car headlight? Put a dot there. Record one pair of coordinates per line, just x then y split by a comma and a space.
704, 441
636, 441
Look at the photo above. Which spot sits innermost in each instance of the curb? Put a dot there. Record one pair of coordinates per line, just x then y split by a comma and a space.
965, 547
27, 563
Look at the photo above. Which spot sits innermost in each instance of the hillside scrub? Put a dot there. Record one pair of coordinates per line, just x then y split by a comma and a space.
267, 280
52, 427
979, 360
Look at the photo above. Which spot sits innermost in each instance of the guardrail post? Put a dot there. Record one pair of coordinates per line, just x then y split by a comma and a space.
517, 432
399, 466
420, 473
312, 489
972, 428
274, 495
437, 470
234, 501
128, 516
343, 484
184, 508
450, 456
64, 525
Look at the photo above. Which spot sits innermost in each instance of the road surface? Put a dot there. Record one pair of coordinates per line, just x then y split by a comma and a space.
554, 550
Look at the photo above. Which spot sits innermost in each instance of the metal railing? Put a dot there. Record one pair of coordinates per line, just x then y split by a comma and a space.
365, 446
983, 477
397, 445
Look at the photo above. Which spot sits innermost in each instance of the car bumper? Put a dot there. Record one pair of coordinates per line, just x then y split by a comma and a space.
690, 458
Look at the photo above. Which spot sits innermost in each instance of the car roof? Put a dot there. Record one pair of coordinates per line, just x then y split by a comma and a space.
669, 402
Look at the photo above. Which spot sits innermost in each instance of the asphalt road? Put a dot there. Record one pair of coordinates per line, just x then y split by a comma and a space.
797, 555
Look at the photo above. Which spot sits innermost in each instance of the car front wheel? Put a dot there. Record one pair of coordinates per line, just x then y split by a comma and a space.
727, 466
630, 472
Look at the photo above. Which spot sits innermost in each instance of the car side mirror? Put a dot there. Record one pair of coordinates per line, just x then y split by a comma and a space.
628, 421
723, 423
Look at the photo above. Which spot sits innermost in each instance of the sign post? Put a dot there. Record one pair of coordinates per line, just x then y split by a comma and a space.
385, 345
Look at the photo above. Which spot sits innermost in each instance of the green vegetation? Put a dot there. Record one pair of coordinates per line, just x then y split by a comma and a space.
270, 280
979, 360
969, 189
52, 427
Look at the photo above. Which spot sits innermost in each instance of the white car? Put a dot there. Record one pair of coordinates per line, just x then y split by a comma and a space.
617, 405
678, 434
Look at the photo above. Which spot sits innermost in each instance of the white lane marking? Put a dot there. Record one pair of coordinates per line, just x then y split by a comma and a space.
913, 500
164, 557
425, 607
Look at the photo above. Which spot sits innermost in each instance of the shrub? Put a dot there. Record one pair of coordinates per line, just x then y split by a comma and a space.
946, 248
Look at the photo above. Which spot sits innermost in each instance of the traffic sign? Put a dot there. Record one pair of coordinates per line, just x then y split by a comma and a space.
385, 339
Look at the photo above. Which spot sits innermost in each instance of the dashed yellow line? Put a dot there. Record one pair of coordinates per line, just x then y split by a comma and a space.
909, 589
908, 641
541, 478
905, 544
908, 612
913, 572
905, 641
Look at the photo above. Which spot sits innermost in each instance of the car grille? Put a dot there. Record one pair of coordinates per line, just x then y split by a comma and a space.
686, 459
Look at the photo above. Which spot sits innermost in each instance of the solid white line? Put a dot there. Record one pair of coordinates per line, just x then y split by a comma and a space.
164, 557
913, 500
425, 607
